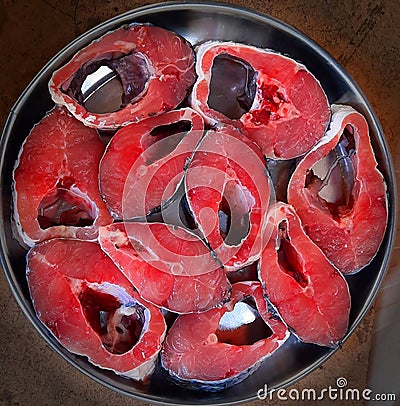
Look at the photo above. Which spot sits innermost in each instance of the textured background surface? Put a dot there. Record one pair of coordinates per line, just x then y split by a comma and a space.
364, 36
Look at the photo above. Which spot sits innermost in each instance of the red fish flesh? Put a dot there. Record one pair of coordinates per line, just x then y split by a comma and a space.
92, 309
144, 162
273, 99
144, 70
55, 186
169, 266
228, 193
213, 350
339, 193
310, 294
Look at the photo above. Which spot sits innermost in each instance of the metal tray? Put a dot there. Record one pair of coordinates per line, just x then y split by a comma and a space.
199, 21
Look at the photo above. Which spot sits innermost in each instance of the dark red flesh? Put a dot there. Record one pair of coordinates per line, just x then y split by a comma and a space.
247, 273
288, 258
63, 207
342, 168
234, 221
272, 101
172, 134
119, 333
131, 71
232, 86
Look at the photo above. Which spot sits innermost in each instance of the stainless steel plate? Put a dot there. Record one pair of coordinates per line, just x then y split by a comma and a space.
198, 22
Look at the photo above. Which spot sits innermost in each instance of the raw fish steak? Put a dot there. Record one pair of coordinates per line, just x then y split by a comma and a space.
55, 189
144, 70
339, 193
144, 162
273, 99
228, 193
92, 309
221, 347
310, 294
182, 286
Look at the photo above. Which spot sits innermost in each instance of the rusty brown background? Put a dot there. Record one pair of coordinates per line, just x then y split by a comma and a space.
364, 36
